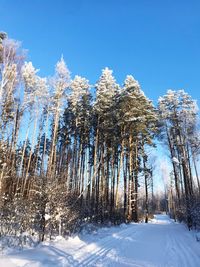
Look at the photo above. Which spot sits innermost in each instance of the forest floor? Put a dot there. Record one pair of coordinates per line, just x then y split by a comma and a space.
161, 243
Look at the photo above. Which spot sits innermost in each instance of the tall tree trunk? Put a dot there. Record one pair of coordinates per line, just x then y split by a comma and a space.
131, 184
146, 187
95, 167
30, 155
171, 148
125, 167
196, 172
52, 157
135, 186
118, 174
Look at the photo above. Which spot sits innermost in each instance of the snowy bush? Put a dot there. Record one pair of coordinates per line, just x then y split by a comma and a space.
195, 212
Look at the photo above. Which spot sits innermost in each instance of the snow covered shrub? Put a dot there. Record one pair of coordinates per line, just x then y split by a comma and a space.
62, 210
195, 212
20, 241
180, 214
88, 228
17, 223
17, 216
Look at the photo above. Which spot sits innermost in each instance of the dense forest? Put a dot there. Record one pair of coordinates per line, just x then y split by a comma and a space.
73, 153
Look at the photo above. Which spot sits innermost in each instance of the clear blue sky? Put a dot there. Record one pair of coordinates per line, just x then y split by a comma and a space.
156, 41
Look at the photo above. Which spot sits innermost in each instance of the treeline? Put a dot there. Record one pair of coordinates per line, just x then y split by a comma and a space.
179, 128
69, 156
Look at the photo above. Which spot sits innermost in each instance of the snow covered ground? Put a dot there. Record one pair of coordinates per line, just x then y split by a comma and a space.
161, 243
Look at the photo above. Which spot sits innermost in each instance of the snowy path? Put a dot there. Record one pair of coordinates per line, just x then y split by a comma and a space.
161, 243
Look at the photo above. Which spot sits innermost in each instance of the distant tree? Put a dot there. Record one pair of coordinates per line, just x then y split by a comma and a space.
178, 112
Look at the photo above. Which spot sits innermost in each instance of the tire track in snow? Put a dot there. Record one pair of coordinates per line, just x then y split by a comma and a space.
159, 244
185, 252
104, 246
179, 252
